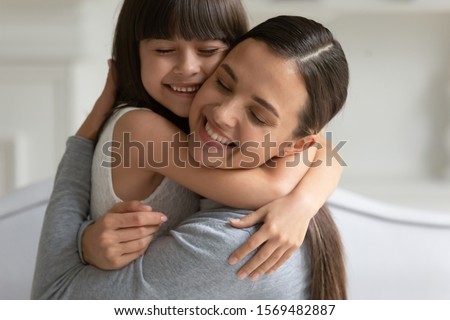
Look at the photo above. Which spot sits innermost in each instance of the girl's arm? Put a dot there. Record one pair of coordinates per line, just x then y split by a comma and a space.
286, 216
166, 152
285, 220
265, 183
116, 238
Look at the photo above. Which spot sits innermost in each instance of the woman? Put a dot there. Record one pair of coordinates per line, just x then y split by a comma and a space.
303, 84
163, 56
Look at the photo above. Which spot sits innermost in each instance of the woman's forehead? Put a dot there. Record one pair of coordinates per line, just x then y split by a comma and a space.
260, 72
256, 56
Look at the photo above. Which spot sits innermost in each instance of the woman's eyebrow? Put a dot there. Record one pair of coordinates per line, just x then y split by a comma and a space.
230, 71
268, 106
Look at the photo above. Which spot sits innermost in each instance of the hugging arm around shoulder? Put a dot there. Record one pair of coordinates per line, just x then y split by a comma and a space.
188, 263
191, 263
260, 185
57, 259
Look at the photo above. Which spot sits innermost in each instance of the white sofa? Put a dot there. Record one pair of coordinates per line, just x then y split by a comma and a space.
21, 215
392, 252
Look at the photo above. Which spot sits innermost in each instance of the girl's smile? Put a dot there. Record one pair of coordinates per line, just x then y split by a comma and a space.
172, 71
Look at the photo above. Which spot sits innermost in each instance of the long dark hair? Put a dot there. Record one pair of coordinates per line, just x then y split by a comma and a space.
328, 276
224, 20
323, 66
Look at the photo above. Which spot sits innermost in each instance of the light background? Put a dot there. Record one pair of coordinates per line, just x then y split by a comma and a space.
396, 122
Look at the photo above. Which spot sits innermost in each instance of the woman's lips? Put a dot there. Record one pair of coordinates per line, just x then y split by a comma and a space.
212, 138
214, 135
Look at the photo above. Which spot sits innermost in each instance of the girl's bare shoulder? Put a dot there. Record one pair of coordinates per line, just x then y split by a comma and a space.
143, 124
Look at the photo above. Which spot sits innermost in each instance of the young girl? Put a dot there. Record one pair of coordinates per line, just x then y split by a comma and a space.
162, 61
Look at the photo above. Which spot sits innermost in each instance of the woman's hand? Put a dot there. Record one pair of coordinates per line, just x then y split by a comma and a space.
285, 222
121, 235
92, 125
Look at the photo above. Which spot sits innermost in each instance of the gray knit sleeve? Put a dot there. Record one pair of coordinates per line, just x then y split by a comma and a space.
83, 227
68, 208
189, 262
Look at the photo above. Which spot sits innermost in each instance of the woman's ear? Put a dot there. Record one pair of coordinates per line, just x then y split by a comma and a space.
298, 145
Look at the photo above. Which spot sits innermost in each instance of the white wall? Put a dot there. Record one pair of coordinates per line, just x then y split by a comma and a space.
53, 62
36, 47
397, 118
52, 65
398, 113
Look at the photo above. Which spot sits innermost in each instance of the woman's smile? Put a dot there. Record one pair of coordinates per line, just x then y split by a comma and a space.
210, 136
242, 105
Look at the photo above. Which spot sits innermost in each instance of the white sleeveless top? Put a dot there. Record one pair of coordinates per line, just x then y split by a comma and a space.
175, 201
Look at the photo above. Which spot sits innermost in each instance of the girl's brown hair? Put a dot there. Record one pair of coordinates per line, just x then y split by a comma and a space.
224, 20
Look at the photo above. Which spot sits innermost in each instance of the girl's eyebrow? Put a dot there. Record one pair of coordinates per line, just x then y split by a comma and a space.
266, 105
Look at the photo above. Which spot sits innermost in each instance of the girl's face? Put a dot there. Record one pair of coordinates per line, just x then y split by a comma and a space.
172, 71
246, 112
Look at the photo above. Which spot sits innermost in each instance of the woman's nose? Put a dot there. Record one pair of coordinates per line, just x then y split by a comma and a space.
226, 114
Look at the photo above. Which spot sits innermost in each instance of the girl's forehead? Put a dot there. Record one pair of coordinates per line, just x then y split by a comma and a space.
187, 31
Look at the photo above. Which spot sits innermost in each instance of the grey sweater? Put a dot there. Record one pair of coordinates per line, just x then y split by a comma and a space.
189, 262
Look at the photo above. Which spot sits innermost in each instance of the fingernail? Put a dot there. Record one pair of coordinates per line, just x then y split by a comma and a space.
144, 207
270, 272
163, 218
234, 220
242, 275
255, 276
232, 260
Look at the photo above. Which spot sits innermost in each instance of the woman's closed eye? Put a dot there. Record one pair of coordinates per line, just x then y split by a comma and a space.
257, 118
222, 86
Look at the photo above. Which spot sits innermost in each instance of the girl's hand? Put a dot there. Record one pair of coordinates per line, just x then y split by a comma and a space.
285, 222
121, 235
102, 108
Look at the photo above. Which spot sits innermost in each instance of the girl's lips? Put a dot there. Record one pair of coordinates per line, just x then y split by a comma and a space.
185, 88
187, 91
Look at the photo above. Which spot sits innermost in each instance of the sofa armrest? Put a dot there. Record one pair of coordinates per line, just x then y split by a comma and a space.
21, 217
393, 252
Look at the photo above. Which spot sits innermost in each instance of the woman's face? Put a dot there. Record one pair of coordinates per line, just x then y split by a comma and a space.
246, 112
173, 70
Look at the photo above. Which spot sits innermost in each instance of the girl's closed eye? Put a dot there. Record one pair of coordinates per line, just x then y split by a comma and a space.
164, 51
209, 51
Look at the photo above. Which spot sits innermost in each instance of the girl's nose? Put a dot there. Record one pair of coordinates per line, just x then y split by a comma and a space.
188, 64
